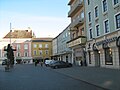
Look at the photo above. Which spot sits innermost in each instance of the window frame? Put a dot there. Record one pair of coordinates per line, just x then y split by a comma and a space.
97, 30
88, 2
25, 54
25, 45
35, 45
89, 16
18, 46
105, 26
114, 4
103, 9
116, 20
97, 11
46, 46
90, 33
34, 52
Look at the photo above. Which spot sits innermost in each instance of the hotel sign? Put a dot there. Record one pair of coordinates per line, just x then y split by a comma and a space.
113, 39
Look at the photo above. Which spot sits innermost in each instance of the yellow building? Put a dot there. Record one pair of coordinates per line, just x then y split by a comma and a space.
41, 48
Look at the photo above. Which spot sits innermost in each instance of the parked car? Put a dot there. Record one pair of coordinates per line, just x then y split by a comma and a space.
60, 64
4, 62
47, 62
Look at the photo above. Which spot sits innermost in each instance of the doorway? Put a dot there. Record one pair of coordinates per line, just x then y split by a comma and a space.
97, 58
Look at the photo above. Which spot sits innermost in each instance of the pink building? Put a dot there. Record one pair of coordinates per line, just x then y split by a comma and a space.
23, 51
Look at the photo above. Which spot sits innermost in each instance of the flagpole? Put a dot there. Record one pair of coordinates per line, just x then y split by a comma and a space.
10, 32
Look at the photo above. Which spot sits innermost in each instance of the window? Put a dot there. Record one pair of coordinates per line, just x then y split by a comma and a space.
117, 17
18, 46
35, 46
96, 11
35, 52
18, 54
89, 16
25, 46
88, 2
108, 56
40, 52
115, 2
98, 30
91, 34
104, 5
46, 45
25, 54
106, 26
40, 45
73, 35
66, 34
82, 31
82, 14
46, 52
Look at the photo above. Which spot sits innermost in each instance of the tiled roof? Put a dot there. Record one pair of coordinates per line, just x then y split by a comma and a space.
41, 39
19, 34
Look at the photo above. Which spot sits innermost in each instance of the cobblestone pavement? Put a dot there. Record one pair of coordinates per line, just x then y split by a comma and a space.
29, 77
103, 77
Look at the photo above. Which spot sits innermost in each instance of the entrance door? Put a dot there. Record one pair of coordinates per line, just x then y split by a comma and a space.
97, 58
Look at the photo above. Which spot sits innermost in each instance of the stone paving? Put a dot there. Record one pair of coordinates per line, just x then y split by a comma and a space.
103, 77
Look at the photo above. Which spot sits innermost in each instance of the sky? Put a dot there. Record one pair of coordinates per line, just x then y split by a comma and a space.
47, 18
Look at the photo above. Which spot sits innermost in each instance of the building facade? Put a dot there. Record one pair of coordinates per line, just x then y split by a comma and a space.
23, 51
103, 33
21, 40
41, 49
77, 31
54, 49
63, 52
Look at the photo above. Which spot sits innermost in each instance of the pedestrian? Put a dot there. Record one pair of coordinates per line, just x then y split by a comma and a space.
41, 63
35, 62
81, 63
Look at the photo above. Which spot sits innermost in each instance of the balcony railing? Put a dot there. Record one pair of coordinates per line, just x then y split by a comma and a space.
75, 7
77, 41
77, 22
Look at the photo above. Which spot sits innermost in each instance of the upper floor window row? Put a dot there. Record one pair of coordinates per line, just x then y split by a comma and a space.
40, 45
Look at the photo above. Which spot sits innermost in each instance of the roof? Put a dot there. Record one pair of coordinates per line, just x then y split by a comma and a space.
19, 34
42, 39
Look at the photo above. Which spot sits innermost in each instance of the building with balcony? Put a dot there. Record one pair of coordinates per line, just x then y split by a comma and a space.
41, 49
77, 31
103, 33
61, 51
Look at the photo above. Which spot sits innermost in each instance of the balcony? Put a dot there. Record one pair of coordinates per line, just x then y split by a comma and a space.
75, 8
77, 22
77, 41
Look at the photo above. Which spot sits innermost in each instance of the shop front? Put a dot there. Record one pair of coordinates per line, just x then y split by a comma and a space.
104, 51
78, 50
